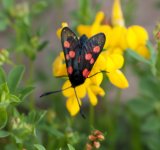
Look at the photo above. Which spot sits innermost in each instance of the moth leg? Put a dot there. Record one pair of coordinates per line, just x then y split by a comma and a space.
78, 101
98, 73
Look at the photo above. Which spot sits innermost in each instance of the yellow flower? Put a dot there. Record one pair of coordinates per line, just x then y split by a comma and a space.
59, 66
91, 87
137, 38
117, 35
115, 44
118, 79
118, 38
114, 62
117, 15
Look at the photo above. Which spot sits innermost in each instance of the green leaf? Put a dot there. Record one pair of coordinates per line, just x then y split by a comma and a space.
2, 76
42, 45
149, 87
7, 3
152, 124
39, 7
152, 141
17, 139
4, 95
52, 131
3, 117
140, 107
153, 57
35, 117
136, 56
14, 77
70, 147
41, 116
14, 98
25, 92
4, 134
39, 147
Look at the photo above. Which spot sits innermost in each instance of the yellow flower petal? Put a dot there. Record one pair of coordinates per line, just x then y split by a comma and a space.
97, 90
114, 62
143, 51
118, 50
118, 60
141, 33
99, 18
136, 35
118, 37
110, 66
58, 66
72, 106
64, 24
81, 91
118, 79
92, 97
69, 92
84, 29
97, 79
117, 15
100, 63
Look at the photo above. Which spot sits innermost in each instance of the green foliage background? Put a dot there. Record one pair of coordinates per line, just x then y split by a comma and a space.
30, 123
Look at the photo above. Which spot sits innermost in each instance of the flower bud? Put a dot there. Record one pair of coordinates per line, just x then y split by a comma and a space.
96, 144
97, 132
92, 137
88, 146
100, 137
117, 15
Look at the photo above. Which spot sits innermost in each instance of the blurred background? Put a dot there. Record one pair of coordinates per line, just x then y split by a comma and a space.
28, 38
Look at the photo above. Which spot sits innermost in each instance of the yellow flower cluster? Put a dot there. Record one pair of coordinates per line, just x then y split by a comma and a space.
111, 60
91, 86
119, 38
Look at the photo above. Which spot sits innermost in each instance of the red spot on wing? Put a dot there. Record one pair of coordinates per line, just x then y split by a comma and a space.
66, 44
72, 54
88, 56
70, 69
96, 49
67, 56
85, 72
92, 61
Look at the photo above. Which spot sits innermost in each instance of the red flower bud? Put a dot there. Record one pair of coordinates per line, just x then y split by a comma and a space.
96, 144
92, 137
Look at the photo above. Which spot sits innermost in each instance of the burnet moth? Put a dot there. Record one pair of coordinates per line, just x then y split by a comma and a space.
80, 56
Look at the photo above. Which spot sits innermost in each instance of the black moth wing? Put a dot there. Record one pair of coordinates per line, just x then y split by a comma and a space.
70, 44
90, 52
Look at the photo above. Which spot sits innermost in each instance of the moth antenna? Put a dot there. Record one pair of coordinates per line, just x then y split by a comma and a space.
98, 73
52, 92
81, 112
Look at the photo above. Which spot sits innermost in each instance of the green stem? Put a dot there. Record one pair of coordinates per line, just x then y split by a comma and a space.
91, 116
117, 102
32, 102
